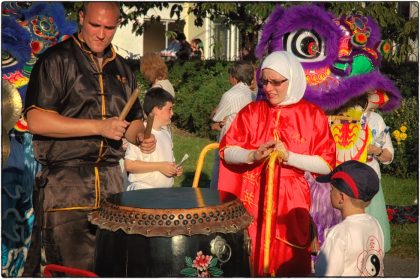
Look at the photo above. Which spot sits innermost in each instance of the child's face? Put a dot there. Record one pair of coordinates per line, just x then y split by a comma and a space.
164, 114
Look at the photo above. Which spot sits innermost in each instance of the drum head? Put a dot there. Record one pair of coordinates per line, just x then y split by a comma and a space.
168, 198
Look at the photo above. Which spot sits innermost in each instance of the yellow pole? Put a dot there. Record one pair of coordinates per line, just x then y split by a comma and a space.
274, 156
200, 161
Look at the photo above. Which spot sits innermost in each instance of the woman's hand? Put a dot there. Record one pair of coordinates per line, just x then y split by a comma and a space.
373, 149
263, 151
283, 150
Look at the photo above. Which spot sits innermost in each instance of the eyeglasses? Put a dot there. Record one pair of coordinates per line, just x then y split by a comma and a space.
273, 82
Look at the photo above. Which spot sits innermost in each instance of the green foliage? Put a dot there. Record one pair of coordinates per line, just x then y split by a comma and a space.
199, 86
405, 76
399, 191
406, 153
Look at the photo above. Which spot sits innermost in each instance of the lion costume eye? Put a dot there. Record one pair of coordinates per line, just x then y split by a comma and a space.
307, 45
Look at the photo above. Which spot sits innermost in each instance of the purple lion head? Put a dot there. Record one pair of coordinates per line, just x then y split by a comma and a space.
340, 56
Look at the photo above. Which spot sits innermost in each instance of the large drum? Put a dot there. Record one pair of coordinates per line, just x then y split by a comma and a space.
171, 232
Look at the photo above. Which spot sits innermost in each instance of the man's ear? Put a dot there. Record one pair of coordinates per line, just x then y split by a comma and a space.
81, 17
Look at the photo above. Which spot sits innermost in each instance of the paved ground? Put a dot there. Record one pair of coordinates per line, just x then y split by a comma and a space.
397, 267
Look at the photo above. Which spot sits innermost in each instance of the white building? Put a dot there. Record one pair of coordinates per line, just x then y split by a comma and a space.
215, 36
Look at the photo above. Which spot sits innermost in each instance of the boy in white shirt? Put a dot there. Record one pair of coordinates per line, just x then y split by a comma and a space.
157, 169
354, 247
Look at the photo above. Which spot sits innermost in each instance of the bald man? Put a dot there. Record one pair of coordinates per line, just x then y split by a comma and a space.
76, 92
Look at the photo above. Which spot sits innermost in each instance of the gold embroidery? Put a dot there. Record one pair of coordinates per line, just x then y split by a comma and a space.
248, 199
298, 139
276, 132
252, 178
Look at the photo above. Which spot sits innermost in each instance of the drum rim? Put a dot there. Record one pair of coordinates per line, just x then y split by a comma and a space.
229, 217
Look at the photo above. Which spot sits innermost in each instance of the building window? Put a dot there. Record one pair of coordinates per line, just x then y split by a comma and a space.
220, 41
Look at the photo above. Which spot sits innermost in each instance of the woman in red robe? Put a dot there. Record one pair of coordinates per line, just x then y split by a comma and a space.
299, 130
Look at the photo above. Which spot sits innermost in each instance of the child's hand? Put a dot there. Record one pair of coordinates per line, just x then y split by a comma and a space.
179, 170
168, 169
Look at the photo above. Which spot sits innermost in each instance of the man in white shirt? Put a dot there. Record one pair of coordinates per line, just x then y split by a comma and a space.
241, 76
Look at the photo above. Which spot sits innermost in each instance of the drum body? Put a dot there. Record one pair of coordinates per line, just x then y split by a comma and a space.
171, 232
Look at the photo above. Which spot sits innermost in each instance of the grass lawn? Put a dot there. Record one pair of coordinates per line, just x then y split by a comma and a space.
397, 191
192, 145
404, 237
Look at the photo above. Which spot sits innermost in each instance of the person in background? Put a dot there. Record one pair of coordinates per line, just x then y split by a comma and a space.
354, 247
185, 50
155, 71
76, 92
197, 49
299, 132
156, 169
241, 76
173, 47
380, 151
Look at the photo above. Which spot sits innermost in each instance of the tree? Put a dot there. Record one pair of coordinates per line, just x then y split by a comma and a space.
130, 12
249, 18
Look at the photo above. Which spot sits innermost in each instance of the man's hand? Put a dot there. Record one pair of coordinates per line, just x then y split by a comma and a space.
216, 126
146, 145
113, 128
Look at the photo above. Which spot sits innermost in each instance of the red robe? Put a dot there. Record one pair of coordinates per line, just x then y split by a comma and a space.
304, 129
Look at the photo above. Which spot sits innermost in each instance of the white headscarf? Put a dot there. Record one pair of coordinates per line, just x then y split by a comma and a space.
288, 66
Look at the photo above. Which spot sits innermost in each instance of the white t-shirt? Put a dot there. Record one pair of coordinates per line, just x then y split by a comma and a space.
231, 103
163, 152
381, 137
353, 247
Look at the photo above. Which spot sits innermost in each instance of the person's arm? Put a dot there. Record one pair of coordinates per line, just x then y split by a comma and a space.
52, 124
137, 166
385, 153
311, 163
239, 155
382, 154
135, 135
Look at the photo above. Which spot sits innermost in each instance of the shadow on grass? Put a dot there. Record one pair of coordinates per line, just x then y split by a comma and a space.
204, 181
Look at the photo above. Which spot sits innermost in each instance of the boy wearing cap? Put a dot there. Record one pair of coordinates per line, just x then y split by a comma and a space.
355, 246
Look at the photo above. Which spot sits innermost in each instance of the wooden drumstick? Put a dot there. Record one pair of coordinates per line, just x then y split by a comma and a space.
129, 104
149, 126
